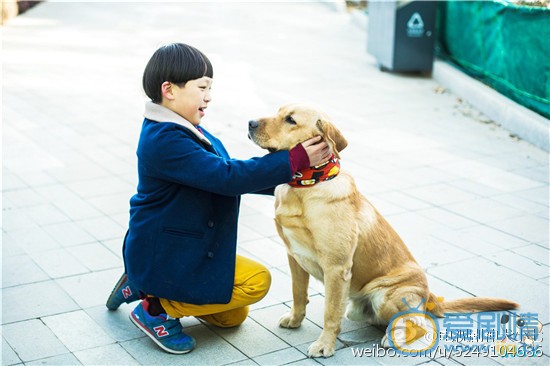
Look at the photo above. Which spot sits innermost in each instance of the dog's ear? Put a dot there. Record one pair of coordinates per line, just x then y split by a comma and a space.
333, 136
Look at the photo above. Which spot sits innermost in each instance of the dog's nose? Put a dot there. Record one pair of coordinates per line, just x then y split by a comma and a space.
253, 124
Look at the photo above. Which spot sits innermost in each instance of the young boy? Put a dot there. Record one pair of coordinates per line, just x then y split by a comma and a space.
180, 248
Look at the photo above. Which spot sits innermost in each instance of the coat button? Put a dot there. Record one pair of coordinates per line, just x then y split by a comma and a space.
210, 224
210, 255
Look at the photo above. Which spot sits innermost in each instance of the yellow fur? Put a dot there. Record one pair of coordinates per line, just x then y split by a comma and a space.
334, 233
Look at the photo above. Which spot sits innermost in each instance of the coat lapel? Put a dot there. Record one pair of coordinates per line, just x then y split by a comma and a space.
156, 112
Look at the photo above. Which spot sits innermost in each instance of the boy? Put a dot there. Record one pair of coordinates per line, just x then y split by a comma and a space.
180, 248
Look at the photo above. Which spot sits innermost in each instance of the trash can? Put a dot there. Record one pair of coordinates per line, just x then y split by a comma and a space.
401, 34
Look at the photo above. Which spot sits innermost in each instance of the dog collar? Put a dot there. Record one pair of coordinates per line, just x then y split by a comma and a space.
316, 174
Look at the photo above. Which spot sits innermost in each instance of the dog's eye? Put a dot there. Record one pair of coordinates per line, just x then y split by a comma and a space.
290, 120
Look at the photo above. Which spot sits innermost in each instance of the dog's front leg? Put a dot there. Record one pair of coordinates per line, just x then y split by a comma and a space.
300, 283
337, 283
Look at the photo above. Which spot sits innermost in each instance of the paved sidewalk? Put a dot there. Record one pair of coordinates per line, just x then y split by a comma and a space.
470, 201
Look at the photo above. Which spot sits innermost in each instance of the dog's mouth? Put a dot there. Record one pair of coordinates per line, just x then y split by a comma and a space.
251, 137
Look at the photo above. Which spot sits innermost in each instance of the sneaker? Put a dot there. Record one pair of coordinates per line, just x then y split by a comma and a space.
165, 331
124, 292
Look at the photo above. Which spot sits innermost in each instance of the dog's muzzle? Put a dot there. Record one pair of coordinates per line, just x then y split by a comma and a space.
252, 127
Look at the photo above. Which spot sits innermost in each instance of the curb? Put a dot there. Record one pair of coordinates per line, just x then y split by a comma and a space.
521, 121
515, 118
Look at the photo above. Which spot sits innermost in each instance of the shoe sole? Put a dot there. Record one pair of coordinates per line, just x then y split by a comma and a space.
115, 290
148, 332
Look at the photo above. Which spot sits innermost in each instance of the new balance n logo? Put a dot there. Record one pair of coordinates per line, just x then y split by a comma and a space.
126, 292
161, 331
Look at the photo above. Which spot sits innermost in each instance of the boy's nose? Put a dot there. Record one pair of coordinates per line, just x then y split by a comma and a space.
253, 124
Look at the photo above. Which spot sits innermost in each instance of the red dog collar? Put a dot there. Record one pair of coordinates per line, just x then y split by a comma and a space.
315, 174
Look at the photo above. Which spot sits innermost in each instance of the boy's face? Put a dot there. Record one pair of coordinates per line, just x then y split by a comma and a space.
191, 100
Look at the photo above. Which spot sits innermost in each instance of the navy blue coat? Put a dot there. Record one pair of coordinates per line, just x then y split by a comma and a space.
182, 237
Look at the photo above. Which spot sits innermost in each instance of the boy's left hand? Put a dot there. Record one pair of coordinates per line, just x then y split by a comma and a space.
317, 150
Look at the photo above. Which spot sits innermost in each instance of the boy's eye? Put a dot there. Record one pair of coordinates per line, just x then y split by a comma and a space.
289, 119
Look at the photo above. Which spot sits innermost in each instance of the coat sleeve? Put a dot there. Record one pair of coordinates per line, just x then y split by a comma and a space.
266, 192
173, 155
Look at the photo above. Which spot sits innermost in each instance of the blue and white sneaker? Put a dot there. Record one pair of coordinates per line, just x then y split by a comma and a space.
165, 331
124, 292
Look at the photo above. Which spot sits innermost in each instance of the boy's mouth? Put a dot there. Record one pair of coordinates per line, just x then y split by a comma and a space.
201, 111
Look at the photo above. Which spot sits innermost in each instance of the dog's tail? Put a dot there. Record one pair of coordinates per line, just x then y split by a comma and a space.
470, 305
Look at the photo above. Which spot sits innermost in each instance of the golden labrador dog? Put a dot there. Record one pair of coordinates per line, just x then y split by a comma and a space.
332, 232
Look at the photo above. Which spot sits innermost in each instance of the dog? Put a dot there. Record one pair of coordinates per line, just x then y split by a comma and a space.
332, 232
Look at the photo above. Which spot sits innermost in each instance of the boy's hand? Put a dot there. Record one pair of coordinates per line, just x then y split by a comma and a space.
318, 151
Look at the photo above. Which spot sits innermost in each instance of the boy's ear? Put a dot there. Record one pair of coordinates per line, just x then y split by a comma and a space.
333, 135
166, 90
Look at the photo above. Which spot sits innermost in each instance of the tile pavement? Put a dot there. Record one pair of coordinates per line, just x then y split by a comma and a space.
470, 201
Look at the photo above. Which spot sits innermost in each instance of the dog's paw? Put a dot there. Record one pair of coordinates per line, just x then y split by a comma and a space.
385, 342
290, 321
321, 349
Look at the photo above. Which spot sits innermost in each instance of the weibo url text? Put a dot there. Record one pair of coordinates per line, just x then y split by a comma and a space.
454, 350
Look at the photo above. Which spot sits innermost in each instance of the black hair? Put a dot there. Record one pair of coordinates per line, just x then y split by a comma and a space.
177, 63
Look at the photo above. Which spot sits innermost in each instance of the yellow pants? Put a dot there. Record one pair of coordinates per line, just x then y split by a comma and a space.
252, 281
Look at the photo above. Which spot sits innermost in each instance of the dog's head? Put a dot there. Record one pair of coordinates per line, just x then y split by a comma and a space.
292, 125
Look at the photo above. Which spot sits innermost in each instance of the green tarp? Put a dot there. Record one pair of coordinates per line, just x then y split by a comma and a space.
505, 45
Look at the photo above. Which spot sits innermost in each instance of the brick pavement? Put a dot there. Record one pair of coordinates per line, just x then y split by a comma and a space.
470, 201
